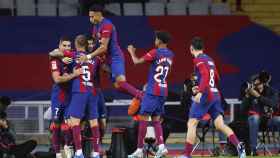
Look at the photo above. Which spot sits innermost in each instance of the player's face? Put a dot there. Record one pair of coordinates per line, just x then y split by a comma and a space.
95, 17
90, 45
192, 50
65, 45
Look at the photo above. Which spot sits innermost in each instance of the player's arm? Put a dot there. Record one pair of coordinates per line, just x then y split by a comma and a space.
65, 77
131, 49
204, 81
58, 78
101, 49
56, 54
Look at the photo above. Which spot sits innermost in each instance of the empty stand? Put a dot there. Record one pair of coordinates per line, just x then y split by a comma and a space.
67, 10
220, 9
175, 8
198, 8
114, 8
154, 9
133, 9
47, 8
25, 7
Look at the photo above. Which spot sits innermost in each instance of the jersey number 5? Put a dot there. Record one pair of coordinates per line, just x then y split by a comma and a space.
86, 73
160, 76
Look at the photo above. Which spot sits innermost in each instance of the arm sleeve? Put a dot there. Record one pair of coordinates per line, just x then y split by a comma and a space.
150, 56
106, 31
204, 72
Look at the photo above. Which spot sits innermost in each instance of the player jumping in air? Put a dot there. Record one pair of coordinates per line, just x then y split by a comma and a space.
106, 34
152, 105
206, 99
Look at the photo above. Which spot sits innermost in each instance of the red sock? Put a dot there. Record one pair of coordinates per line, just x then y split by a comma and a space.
55, 138
234, 140
96, 136
142, 130
124, 86
76, 130
158, 132
67, 133
188, 149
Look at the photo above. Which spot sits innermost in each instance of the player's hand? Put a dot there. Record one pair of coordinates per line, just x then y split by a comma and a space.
82, 59
131, 49
195, 90
67, 60
254, 93
197, 97
77, 71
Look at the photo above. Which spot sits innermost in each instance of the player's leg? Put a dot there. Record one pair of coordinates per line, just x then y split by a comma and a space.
95, 131
119, 79
102, 114
76, 112
159, 111
55, 127
197, 111
215, 112
146, 110
254, 122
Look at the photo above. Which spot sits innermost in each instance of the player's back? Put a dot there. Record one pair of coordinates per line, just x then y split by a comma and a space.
210, 77
160, 66
84, 82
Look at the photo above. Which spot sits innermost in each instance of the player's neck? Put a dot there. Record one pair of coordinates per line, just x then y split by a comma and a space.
81, 49
162, 46
198, 53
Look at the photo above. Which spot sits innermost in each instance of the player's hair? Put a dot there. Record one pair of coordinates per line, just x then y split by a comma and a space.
97, 8
64, 38
81, 41
164, 36
197, 43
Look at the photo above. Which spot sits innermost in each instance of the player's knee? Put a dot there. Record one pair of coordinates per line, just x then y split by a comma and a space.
192, 123
93, 123
220, 126
74, 121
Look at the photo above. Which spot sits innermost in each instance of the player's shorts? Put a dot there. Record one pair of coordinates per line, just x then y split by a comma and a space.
214, 108
57, 108
152, 105
101, 107
117, 68
82, 102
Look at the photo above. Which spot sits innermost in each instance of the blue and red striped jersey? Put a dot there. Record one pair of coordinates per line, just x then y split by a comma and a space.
60, 91
161, 61
84, 82
208, 76
106, 29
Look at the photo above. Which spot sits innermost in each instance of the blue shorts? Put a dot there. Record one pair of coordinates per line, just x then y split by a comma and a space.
101, 107
213, 108
152, 105
117, 68
82, 103
57, 110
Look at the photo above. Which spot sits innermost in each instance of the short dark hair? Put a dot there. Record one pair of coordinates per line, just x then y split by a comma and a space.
81, 40
64, 38
197, 43
96, 8
164, 36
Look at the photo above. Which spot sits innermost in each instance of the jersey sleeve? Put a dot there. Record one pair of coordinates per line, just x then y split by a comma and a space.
150, 56
106, 31
69, 54
204, 72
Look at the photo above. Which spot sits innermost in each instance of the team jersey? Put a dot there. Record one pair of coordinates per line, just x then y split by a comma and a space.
105, 29
207, 76
161, 61
84, 82
60, 91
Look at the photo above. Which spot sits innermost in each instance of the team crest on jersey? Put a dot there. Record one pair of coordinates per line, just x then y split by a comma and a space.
54, 65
